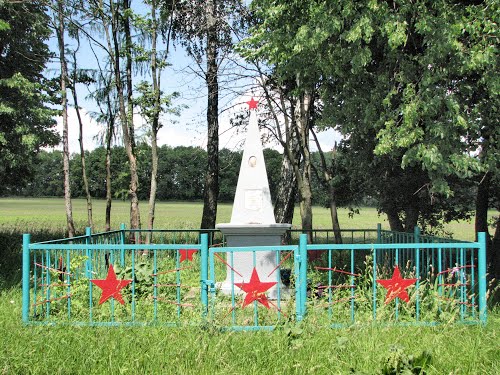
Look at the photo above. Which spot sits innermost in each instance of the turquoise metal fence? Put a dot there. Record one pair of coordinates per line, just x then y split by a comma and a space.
173, 278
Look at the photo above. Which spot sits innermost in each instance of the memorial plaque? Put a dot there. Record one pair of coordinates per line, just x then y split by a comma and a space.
253, 199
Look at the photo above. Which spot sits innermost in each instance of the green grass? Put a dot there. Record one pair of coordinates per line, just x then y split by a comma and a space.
31, 214
308, 349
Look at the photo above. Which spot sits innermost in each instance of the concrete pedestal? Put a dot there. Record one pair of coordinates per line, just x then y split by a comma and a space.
265, 261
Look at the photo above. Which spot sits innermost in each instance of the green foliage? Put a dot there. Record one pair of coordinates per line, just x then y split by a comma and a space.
398, 362
412, 86
26, 120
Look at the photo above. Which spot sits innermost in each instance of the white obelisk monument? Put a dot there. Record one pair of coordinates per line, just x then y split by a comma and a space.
252, 220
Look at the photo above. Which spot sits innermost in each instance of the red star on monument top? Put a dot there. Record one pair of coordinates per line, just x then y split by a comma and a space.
111, 286
186, 254
252, 104
255, 289
396, 286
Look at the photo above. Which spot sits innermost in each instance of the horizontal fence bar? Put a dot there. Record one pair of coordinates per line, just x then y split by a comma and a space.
237, 249
39, 246
451, 245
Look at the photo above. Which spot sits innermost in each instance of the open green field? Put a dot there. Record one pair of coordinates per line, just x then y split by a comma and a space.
31, 214
304, 349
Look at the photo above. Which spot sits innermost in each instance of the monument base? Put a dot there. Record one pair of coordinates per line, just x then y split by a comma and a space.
265, 262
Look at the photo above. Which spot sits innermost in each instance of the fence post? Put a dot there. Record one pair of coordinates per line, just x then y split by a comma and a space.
416, 234
416, 239
26, 277
88, 234
303, 274
122, 242
204, 272
481, 263
379, 233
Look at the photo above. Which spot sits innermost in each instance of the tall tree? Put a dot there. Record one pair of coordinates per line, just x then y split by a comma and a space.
77, 76
114, 18
59, 23
152, 102
26, 118
206, 30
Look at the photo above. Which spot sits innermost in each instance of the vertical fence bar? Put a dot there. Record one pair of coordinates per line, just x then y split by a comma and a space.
204, 272
481, 263
472, 283
68, 281
463, 294
298, 295
352, 286
88, 234
416, 238
374, 302
303, 273
122, 242
330, 286
155, 282
440, 277
26, 277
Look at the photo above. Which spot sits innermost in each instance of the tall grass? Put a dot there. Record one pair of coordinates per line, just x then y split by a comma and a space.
304, 349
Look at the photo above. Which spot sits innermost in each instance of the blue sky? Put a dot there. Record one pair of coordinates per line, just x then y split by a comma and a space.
189, 129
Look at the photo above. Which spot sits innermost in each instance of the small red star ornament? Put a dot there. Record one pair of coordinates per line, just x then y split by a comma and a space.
252, 104
396, 286
255, 290
111, 286
186, 254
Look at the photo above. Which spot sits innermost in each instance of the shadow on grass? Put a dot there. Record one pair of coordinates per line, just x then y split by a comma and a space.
11, 251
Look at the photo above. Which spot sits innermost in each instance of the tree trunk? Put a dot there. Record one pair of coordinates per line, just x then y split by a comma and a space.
154, 175
90, 222
495, 249
64, 103
109, 137
394, 220
114, 51
135, 218
334, 215
287, 192
155, 75
481, 220
211, 192
303, 110
411, 218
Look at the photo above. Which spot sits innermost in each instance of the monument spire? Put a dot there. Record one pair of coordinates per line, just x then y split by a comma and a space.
252, 201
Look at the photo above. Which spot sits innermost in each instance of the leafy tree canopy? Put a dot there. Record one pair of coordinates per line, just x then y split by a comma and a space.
26, 122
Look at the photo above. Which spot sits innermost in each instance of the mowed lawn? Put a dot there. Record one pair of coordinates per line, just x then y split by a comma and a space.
44, 213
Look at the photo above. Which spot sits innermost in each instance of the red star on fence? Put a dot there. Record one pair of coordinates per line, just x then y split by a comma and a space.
186, 254
396, 286
111, 286
255, 289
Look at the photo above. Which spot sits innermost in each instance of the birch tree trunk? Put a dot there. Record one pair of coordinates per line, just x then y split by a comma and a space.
60, 30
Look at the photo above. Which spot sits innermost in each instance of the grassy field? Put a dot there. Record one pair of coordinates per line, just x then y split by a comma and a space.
446, 349
35, 214
304, 349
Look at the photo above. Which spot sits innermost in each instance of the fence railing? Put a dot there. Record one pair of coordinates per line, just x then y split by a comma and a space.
173, 278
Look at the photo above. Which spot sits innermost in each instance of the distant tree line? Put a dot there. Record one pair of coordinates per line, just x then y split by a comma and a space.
181, 173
